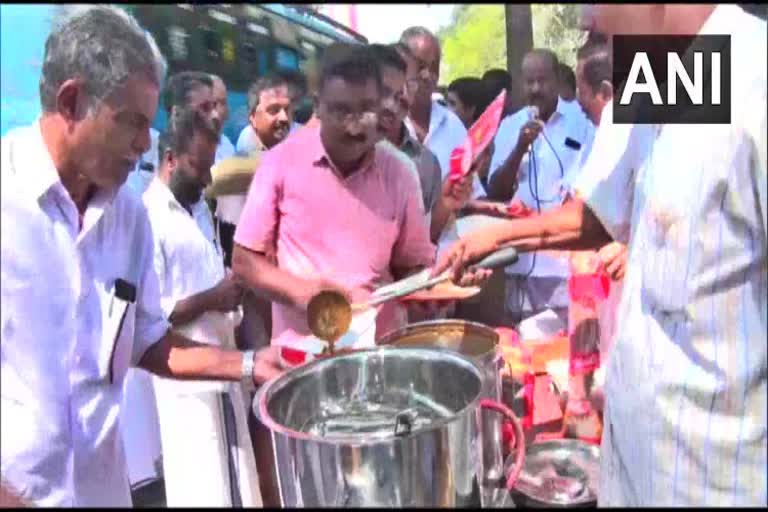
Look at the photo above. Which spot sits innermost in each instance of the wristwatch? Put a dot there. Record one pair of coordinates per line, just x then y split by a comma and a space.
247, 368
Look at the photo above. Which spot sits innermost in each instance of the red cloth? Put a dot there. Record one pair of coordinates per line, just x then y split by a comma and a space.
293, 357
518, 209
480, 134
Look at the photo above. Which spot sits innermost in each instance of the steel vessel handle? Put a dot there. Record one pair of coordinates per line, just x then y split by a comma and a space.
497, 259
518, 443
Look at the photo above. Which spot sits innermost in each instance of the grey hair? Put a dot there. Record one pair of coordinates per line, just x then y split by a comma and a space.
417, 32
100, 45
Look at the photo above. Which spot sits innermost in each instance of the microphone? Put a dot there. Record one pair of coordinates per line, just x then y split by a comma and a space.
533, 112
533, 115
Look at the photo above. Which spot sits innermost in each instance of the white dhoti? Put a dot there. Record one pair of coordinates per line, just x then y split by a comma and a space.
139, 427
208, 458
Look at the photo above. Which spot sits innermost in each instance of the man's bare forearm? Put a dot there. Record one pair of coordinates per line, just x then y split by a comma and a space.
441, 215
254, 271
570, 227
503, 183
192, 307
178, 357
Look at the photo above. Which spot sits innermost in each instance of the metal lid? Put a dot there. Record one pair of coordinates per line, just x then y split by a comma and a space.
561, 472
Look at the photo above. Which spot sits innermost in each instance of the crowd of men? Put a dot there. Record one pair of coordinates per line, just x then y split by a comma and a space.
193, 259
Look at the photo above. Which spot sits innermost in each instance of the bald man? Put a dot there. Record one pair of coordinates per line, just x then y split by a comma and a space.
534, 155
429, 122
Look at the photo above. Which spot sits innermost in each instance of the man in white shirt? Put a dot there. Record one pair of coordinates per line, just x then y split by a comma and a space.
441, 199
270, 103
685, 418
567, 79
270, 106
530, 159
141, 434
80, 297
594, 92
225, 149
429, 122
188, 89
201, 301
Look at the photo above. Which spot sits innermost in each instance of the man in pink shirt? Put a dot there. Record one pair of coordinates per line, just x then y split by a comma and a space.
337, 210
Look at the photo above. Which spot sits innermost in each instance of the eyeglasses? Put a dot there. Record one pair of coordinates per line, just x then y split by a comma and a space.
343, 115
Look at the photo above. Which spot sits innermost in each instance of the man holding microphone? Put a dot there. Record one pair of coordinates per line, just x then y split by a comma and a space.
534, 148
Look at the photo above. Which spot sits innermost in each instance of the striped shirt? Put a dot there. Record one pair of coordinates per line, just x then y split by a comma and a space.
685, 422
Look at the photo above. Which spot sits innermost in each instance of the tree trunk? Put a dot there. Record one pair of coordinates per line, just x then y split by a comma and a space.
519, 28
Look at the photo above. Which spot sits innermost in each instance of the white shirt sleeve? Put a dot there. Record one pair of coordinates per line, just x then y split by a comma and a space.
225, 149
244, 144
151, 323
573, 172
504, 142
761, 167
607, 181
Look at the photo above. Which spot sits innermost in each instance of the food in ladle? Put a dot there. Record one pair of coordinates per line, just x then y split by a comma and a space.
329, 316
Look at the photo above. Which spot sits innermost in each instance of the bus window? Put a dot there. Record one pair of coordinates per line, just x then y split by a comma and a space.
177, 43
249, 56
286, 58
212, 43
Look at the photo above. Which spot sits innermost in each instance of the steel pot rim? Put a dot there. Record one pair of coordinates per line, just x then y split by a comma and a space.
384, 340
355, 441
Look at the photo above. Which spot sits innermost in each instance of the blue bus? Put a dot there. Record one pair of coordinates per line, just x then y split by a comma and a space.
238, 42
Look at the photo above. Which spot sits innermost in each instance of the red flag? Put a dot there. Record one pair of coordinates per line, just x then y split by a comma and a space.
478, 137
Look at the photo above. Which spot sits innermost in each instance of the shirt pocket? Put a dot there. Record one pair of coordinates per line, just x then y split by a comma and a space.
118, 334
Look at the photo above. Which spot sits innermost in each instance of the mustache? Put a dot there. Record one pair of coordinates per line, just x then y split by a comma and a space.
356, 138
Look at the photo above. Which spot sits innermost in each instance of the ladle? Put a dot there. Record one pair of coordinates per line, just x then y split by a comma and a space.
329, 313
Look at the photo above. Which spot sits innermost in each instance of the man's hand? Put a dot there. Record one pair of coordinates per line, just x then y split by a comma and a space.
484, 207
483, 163
227, 295
266, 365
614, 257
466, 251
456, 193
528, 134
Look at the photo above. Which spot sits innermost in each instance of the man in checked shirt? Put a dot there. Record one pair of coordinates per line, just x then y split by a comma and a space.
685, 418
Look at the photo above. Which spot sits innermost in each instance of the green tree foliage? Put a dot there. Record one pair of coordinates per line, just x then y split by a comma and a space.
476, 40
556, 26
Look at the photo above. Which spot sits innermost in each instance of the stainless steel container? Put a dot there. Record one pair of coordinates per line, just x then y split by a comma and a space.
480, 343
562, 473
388, 427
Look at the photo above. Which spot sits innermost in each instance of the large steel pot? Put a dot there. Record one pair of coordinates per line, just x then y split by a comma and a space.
388, 427
480, 343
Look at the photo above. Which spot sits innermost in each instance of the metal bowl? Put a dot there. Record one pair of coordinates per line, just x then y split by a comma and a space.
560, 473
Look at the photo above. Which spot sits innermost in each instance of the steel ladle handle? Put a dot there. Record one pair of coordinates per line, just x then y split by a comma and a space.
497, 259
519, 441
